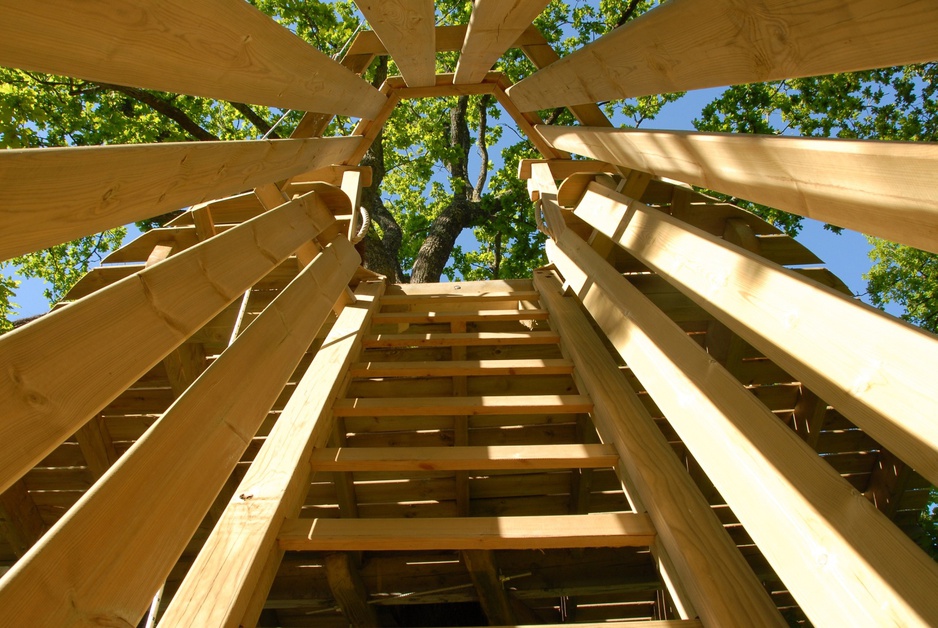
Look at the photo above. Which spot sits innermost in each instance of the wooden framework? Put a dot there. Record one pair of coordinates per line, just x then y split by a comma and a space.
231, 423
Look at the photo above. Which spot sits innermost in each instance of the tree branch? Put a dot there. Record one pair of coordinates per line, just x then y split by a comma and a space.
258, 121
165, 108
482, 143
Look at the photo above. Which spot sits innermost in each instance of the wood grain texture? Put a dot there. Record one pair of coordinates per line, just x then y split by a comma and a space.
881, 188
102, 562
828, 543
408, 31
494, 26
685, 44
450, 406
464, 458
53, 195
468, 533
230, 567
222, 49
451, 368
688, 530
862, 361
152, 312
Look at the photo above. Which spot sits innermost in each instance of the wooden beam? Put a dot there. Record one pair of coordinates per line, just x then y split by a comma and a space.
528, 123
20, 521
668, 623
491, 591
560, 169
230, 567
349, 590
185, 363
688, 531
53, 195
454, 406
466, 316
494, 26
448, 38
660, 51
830, 546
468, 533
542, 179
464, 458
862, 361
96, 446
153, 311
106, 558
443, 339
465, 367
222, 49
880, 188
408, 31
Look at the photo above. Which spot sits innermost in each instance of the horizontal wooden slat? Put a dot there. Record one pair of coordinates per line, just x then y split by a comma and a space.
464, 339
53, 195
880, 188
464, 458
223, 49
105, 342
516, 533
499, 295
456, 368
458, 406
463, 316
686, 44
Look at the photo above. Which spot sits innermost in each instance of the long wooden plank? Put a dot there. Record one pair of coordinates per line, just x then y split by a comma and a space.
108, 340
53, 195
844, 562
453, 406
408, 31
465, 316
886, 189
230, 566
460, 339
686, 44
453, 368
494, 26
464, 458
102, 562
468, 533
865, 363
688, 530
223, 49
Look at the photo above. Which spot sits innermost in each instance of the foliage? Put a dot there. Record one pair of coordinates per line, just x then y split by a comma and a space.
905, 275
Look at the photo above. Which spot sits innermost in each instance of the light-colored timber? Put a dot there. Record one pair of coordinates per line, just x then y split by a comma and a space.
660, 52
153, 311
866, 379
54, 195
815, 518
460, 339
230, 566
881, 188
493, 27
688, 530
407, 30
223, 49
453, 368
492, 404
570, 531
215, 424
464, 458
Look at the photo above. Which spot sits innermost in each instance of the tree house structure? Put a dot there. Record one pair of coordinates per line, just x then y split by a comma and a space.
232, 423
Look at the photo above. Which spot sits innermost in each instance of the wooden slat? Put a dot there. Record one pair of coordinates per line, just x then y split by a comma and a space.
464, 458
562, 168
348, 590
865, 363
103, 561
688, 531
743, 42
886, 189
466, 316
20, 521
461, 339
218, 586
408, 31
494, 26
53, 195
150, 312
472, 405
493, 598
830, 546
516, 533
450, 368
222, 49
